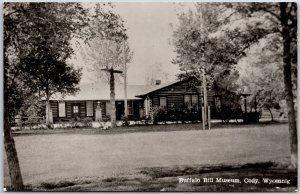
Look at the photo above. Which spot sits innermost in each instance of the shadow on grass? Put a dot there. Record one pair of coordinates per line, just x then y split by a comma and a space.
159, 172
167, 179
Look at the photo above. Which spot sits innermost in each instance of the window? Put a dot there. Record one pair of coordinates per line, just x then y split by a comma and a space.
89, 109
191, 102
187, 101
61, 109
130, 107
218, 103
75, 109
194, 103
163, 102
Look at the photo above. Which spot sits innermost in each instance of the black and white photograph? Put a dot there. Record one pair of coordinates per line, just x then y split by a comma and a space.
149, 96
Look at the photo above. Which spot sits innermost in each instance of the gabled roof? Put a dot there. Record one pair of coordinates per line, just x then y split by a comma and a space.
101, 91
156, 87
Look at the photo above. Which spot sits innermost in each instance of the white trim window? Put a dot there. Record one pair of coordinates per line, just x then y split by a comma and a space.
191, 102
163, 102
130, 107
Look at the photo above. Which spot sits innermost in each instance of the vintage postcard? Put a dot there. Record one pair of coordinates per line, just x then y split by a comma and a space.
150, 96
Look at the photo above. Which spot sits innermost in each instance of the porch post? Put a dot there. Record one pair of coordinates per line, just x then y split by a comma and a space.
146, 106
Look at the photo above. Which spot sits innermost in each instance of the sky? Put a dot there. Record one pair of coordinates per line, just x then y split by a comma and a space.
150, 33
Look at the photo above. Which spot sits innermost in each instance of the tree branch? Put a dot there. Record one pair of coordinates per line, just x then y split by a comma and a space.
272, 13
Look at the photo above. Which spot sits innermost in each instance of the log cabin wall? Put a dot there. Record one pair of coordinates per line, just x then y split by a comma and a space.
82, 108
137, 104
175, 96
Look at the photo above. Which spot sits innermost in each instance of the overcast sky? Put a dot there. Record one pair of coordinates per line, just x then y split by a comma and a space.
149, 31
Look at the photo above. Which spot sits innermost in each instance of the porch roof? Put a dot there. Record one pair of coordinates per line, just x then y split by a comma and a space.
101, 91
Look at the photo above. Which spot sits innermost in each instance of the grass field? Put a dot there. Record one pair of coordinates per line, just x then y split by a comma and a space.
46, 158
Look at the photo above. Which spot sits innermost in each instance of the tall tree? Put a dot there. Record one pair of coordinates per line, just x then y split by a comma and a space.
104, 51
245, 24
104, 46
280, 19
288, 19
37, 45
262, 74
209, 49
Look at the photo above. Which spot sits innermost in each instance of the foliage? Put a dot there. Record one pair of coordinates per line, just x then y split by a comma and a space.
264, 79
37, 44
125, 121
182, 114
159, 114
87, 122
105, 54
228, 105
201, 45
246, 25
104, 47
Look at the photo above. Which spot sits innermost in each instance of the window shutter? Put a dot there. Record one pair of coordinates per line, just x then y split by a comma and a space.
89, 109
62, 109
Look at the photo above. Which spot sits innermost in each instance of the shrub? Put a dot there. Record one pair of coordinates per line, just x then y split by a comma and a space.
87, 121
159, 115
124, 120
74, 123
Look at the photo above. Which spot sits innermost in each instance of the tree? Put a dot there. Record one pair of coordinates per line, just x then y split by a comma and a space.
104, 46
208, 52
52, 75
210, 49
262, 74
104, 52
37, 46
247, 23
281, 21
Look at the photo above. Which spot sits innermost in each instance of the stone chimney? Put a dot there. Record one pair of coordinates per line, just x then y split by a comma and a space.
157, 82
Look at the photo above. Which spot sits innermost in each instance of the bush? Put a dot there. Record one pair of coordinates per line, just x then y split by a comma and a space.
87, 121
159, 115
180, 114
124, 120
74, 123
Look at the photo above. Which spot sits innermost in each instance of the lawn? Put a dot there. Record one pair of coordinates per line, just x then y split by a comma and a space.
53, 157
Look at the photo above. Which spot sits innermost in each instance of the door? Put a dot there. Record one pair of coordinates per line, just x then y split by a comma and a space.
76, 111
119, 110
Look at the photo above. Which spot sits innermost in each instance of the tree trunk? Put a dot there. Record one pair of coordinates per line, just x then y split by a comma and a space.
125, 84
271, 114
288, 84
11, 152
112, 99
48, 124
